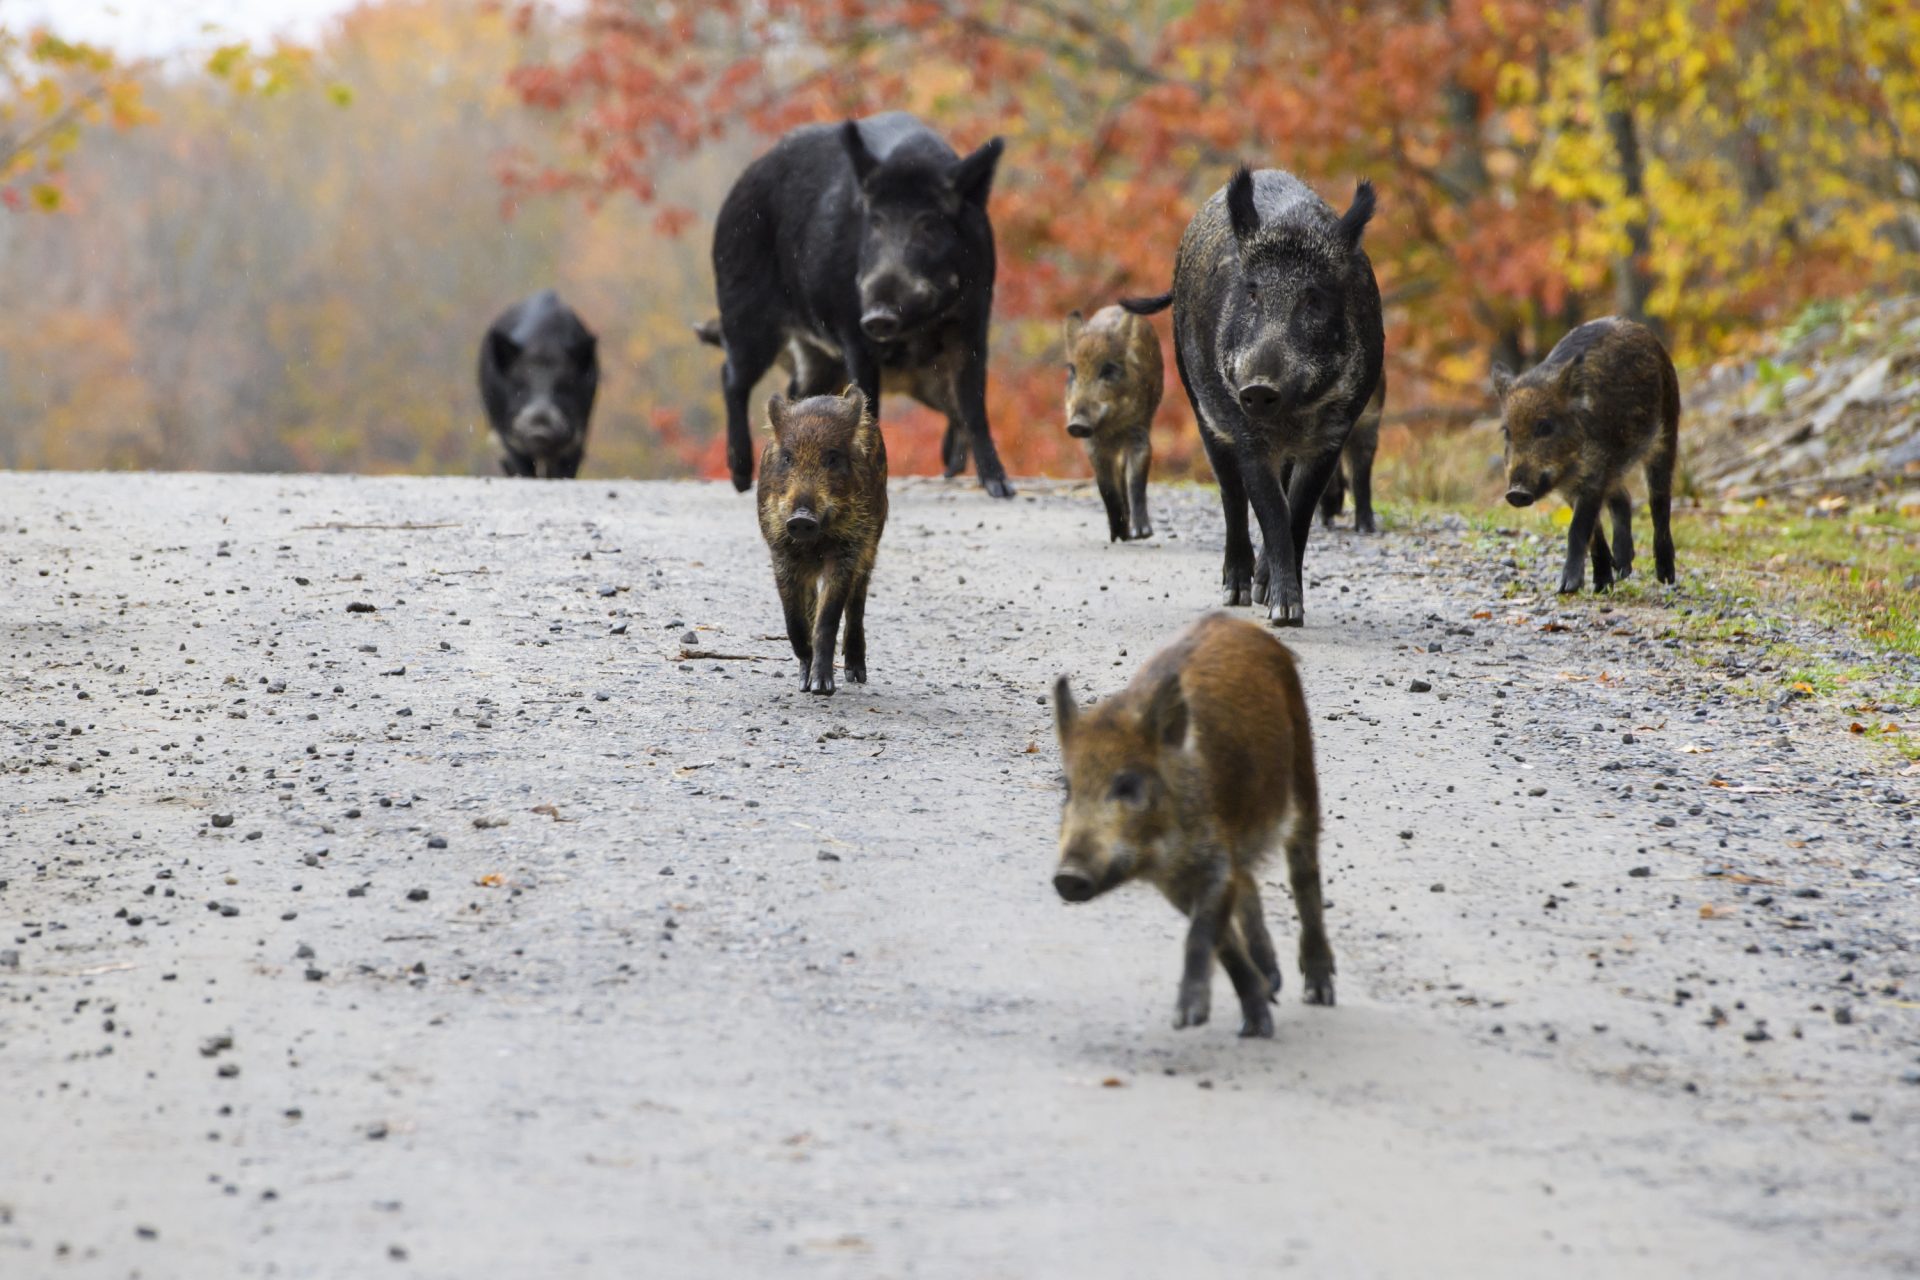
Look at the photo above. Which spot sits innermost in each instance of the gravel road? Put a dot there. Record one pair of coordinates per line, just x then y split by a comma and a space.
385, 888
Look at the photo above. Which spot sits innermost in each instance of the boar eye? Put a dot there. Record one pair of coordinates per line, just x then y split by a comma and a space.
835, 459
1110, 371
1253, 290
1128, 788
1545, 427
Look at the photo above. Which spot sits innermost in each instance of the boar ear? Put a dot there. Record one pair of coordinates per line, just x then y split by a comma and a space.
856, 145
1502, 378
777, 414
1354, 221
1165, 720
973, 176
1075, 323
1240, 209
502, 350
1065, 710
584, 350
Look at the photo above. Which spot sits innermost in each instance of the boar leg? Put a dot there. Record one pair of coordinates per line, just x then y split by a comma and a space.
750, 353
1303, 877
1360, 453
835, 587
953, 449
1660, 503
1252, 920
1332, 497
566, 466
793, 599
1620, 510
1249, 984
1139, 460
854, 650
971, 397
1279, 586
1602, 561
517, 465
1586, 514
1105, 466
1236, 570
1207, 922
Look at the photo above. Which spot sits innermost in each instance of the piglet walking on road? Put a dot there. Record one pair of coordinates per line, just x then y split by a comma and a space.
1605, 398
1187, 779
823, 504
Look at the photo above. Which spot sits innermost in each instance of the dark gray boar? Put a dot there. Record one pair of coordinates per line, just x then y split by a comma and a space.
1605, 398
1114, 381
862, 253
1278, 339
539, 370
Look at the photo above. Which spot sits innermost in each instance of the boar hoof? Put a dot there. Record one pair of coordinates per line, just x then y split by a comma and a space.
856, 672
1569, 584
1257, 1024
1320, 990
1192, 1009
1287, 615
821, 684
997, 486
1143, 530
1363, 524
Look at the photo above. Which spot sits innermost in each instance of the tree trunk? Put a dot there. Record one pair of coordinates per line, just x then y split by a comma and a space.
1631, 282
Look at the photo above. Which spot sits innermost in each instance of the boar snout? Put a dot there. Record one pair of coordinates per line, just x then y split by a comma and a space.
541, 422
880, 323
1073, 884
1520, 497
803, 524
1079, 428
1260, 397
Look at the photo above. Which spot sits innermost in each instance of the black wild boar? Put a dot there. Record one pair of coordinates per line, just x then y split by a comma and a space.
862, 252
823, 505
1278, 339
1114, 381
1187, 779
539, 369
1356, 468
1605, 398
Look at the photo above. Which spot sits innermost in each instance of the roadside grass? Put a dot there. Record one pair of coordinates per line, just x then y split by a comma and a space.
1751, 576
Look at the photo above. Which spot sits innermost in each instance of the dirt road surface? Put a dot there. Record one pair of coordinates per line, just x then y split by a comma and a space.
488, 933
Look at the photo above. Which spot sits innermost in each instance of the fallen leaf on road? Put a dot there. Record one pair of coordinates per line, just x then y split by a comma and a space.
1711, 912
1555, 626
1695, 749
1030, 749
1113, 1082
550, 812
1483, 614
491, 880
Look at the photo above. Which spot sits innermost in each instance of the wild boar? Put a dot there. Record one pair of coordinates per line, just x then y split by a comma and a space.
1187, 779
539, 370
1605, 398
1356, 468
863, 253
823, 505
1114, 381
1279, 343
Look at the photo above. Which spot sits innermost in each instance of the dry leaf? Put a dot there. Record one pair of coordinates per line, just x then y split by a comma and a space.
1483, 614
1113, 1082
1695, 749
1030, 749
1710, 912
491, 880
1856, 727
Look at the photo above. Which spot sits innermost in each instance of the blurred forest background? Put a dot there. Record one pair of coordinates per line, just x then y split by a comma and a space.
283, 258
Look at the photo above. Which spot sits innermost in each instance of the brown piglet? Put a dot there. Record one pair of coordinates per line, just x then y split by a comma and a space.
1187, 779
1606, 397
1114, 381
823, 505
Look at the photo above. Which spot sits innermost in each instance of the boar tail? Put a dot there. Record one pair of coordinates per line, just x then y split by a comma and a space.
1148, 306
708, 331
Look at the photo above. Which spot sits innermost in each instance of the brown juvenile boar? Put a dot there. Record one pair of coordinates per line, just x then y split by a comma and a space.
1605, 398
1114, 381
1187, 779
823, 504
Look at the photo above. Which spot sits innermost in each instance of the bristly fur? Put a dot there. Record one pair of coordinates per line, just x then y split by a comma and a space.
1114, 382
1188, 779
826, 464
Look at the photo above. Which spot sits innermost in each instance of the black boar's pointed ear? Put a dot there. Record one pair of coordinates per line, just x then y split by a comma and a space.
1165, 720
1240, 209
856, 145
584, 350
777, 414
1354, 221
502, 350
1065, 710
1502, 378
973, 175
